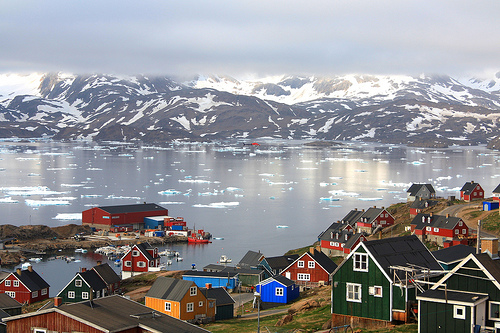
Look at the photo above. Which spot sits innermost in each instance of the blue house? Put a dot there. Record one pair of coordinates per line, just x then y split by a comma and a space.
228, 280
277, 289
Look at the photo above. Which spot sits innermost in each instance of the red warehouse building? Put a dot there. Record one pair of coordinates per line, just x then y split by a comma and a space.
109, 216
141, 258
25, 286
471, 191
439, 228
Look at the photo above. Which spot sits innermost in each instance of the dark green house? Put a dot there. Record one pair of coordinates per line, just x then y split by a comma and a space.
84, 286
466, 298
374, 285
224, 303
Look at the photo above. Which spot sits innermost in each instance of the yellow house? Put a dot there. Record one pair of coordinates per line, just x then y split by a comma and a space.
180, 299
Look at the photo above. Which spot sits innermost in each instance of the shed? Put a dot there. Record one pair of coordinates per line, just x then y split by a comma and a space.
154, 222
488, 205
227, 280
224, 303
277, 290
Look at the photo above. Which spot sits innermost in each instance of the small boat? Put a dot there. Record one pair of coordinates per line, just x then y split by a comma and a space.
117, 262
169, 262
198, 240
25, 266
35, 259
168, 253
219, 238
81, 251
224, 259
179, 259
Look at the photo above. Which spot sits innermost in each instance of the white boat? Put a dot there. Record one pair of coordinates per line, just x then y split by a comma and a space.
219, 238
167, 252
25, 266
81, 251
179, 259
224, 259
169, 262
281, 226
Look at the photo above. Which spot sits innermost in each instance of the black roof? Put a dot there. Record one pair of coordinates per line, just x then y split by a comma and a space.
436, 221
220, 295
414, 188
243, 271
335, 227
438, 294
370, 214
281, 279
492, 266
93, 280
136, 208
211, 274
143, 247
401, 251
497, 189
7, 302
352, 217
169, 288
214, 267
423, 203
323, 260
352, 240
116, 313
31, 280
251, 259
468, 187
281, 262
453, 253
107, 274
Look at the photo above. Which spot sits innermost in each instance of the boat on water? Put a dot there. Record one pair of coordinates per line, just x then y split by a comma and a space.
281, 226
219, 238
198, 240
224, 259
81, 251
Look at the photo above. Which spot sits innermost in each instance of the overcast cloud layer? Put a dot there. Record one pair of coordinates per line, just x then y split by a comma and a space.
240, 37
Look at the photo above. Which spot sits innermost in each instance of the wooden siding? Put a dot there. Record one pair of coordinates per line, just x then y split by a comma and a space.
23, 294
159, 305
101, 218
370, 306
78, 292
434, 317
316, 274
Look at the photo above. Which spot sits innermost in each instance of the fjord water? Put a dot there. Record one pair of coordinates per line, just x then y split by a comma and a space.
237, 192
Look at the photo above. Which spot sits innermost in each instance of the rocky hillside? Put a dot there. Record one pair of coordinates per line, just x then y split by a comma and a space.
425, 111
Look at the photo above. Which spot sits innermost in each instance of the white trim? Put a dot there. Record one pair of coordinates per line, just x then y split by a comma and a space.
489, 311
70, 281
347, 285
192, 307
278, 291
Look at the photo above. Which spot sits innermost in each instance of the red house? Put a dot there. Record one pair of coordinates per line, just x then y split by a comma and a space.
418, 206
471, 191
439, 228
109, 216
25, 286
339, 239
373, 218
141, 258
311, 269
496, 193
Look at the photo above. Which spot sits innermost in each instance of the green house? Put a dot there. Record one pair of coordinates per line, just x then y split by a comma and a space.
465, 299
86, 285
375, 284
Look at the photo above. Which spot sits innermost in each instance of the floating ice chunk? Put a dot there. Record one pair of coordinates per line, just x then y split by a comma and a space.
218, 205
31, 174
29, 190
91, 195
112, 196
170, 192
416, 163
234, 189
266, 174
323, 184
342, 193
72, 185
37, 203
280, 183
68, 216
196, 181
443, 178
172, 203
8, 200
369, 199
94, 169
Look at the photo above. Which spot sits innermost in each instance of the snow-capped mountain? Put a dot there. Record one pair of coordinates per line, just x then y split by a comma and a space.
425, 110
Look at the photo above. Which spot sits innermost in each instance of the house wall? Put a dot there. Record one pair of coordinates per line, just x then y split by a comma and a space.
78, 291
22, 293
268, 292
316, 274
370, 305
99, 217
435, 317
201, 281
225, 312
159, 305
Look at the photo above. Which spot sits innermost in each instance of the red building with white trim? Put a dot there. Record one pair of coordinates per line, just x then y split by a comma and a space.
471, 191
141, 258
439, 228
312, 268
25, 286
109, 216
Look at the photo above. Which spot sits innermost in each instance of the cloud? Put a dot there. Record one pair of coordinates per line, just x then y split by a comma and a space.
234, 37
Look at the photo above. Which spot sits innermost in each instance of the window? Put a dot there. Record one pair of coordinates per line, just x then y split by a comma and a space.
141, 264
428, 228
353, 292
12, 294
98, 294
135, 253
34, 294
44, 291
303, 277
39, 330
190, 307
200, 303
460, 223
494, 311
78, 283
71, 294
456, 231
311, 264
85, 295
300, 264
464, 231
436, 229
375, 291
7, 283
192, 291
168, 306
16, 283
361, 262
279, 291
459, 311
128, 263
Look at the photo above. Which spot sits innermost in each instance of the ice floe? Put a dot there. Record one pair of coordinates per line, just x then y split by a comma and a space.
8, 200
169, 192
68, 216
29, 190
218, 205
37, 203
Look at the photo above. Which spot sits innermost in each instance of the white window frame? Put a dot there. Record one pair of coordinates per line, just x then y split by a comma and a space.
141, 264
193, 291
457, 231
34, 294
44, 291
12, 294
128, 263
464, 231
16, 283
190, 307
351, 292
460, 223
85, 295
200, 304
377, 291
300, 264
311, 264
279, 291
489, 311
71, 294
39, 330
358, 260
168, 306
78, 283
436, 229
428, 229
135, 253
456, 309
303, 277
7, 283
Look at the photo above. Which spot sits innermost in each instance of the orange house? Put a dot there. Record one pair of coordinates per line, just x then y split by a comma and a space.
180, 299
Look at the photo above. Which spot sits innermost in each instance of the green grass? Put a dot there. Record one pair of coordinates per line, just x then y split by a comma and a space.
491, 222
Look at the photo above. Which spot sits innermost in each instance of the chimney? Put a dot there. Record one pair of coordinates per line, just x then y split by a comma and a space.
57, 301
311, 250
83, 269
447, 216
30, 268
423, 219
208, 285
99, 262
18, 271
490, 246
472, 182
374, 206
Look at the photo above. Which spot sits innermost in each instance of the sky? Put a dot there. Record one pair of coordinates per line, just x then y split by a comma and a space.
251, 38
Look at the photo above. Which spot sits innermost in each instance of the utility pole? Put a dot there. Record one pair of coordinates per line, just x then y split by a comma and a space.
478, 240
